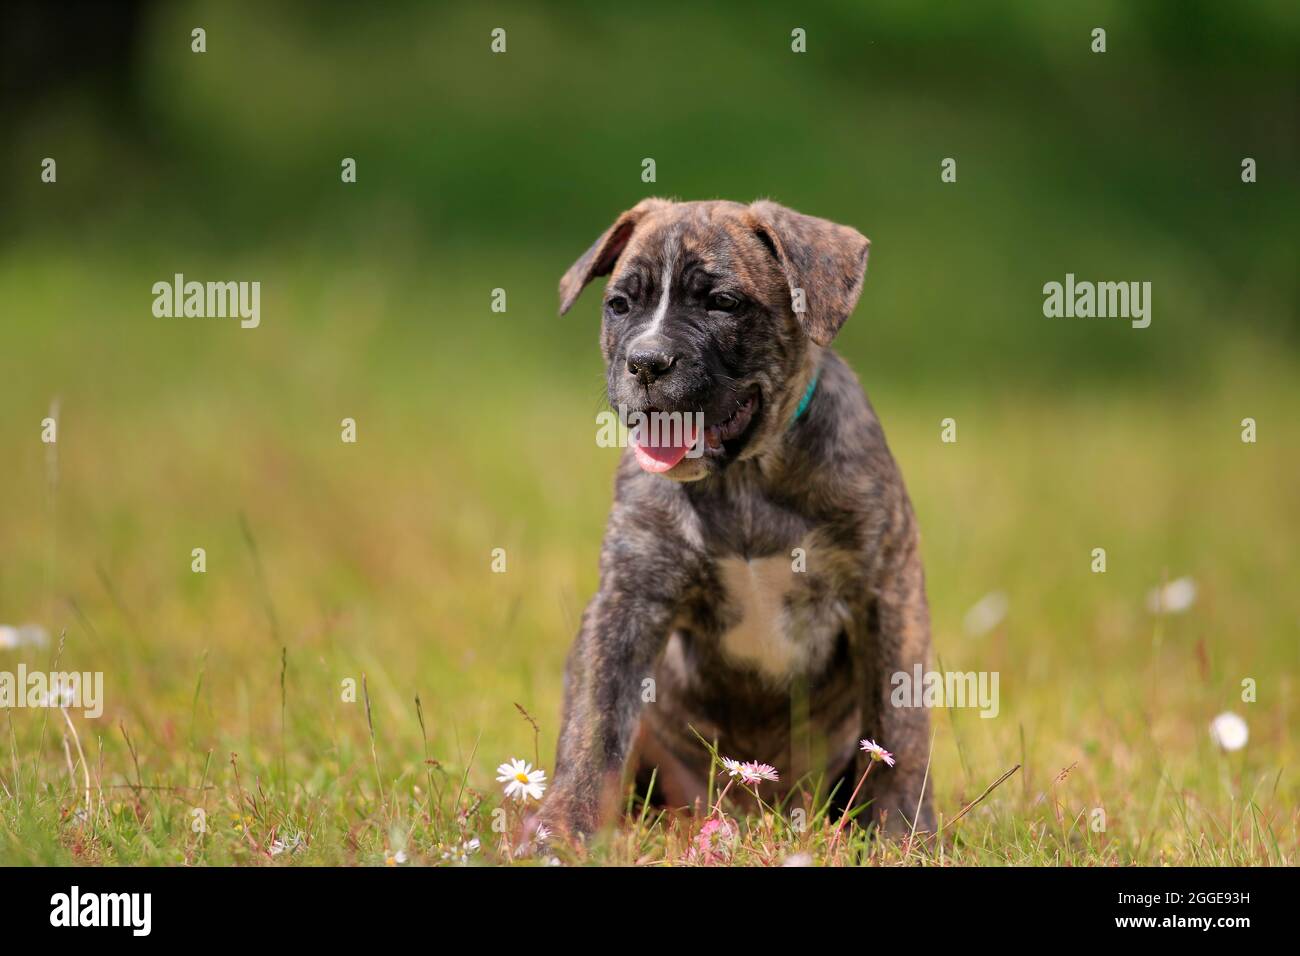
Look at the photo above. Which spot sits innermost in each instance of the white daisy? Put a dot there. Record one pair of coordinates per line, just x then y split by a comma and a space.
1174, 598
521, 780
61, 696
986, 614
461, 852
734, 768
1229, 731
290, 843
30, 635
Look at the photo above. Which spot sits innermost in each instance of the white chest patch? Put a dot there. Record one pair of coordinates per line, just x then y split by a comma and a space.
768, 635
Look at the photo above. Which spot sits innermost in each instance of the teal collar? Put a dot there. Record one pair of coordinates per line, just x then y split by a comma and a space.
807, 397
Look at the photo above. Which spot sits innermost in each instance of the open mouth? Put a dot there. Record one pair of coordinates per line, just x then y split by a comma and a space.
661, 449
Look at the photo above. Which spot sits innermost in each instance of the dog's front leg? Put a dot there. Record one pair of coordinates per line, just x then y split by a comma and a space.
896, 642
624, 630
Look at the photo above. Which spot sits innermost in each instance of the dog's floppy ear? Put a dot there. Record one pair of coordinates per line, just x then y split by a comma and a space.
600, 258
824, 264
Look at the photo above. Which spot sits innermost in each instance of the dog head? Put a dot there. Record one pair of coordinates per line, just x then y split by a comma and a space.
714, 313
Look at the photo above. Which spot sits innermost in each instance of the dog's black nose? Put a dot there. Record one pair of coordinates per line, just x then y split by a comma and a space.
649, 362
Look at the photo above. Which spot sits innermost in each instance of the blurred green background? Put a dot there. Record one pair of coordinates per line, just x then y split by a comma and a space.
475, 166
478, 171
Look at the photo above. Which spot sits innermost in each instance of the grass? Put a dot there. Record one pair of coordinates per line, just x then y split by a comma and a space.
342, 681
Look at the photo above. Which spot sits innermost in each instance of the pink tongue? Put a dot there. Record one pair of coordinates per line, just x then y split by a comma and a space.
661, 458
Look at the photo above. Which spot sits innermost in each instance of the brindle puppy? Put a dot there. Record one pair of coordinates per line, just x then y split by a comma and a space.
773, 584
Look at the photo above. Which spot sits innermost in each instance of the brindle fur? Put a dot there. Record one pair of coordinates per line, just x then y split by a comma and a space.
827, 484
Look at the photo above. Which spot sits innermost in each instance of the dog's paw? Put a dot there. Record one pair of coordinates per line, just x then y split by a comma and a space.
553, 826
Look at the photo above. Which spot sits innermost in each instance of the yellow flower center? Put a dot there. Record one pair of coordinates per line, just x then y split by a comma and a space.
521, 777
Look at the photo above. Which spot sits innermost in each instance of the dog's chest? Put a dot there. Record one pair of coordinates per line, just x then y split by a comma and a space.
775, 616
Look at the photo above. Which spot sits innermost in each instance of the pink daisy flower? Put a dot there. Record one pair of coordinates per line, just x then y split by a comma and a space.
713, 842
755, 773
878, 752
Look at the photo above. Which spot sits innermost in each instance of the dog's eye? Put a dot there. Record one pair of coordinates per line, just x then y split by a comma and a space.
723, 302
618, 305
